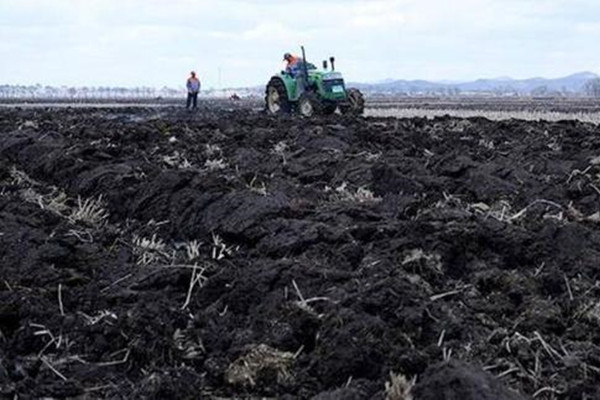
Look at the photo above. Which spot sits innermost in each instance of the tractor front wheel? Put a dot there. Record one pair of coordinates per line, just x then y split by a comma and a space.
310, 105
277, 98
355, 104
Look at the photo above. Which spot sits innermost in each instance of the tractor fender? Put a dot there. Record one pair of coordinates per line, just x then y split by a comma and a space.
290, 86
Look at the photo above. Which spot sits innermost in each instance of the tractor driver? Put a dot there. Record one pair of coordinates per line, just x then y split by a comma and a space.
293, 64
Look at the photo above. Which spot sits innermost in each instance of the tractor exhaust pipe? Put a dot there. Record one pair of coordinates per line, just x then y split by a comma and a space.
304, 66
332, 60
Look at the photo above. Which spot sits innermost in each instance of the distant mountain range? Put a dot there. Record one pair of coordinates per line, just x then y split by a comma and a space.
535, 86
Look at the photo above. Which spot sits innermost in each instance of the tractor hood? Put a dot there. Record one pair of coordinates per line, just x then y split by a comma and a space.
332, 75
326, 75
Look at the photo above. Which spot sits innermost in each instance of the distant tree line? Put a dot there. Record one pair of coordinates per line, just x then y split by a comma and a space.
85, 93
591, 88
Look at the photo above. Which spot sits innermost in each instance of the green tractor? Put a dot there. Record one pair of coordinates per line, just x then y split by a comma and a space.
312, 92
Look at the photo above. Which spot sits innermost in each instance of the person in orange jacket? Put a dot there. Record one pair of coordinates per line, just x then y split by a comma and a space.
193, 88
293, 63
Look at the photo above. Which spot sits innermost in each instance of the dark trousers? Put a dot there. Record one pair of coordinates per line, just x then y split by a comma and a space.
192, 100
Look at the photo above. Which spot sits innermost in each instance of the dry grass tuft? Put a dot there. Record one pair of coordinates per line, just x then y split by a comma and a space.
55, 202
192, 249
149, 251
360, 195
177, 161
19, 177
280, 149
191, 347
593, 312
220, 249
260, 361
398, 387
212, 150
90, 211
215, 165
257, 187
418, 261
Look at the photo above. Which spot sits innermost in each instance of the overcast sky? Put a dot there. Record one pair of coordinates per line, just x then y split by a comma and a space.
156, 43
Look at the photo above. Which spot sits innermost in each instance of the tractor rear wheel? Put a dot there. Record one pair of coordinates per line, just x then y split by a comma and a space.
310, 104
277, 98
355, 104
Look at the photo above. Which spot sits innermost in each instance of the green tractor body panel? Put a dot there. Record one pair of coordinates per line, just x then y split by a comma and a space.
291, 86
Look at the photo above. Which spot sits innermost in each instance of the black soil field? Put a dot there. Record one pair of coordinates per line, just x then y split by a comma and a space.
160, 254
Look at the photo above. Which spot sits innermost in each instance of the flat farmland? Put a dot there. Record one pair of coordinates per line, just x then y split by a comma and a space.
151, 252
530, 109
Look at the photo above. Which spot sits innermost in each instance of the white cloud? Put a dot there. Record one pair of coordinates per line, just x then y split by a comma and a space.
156, 42
588, 28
